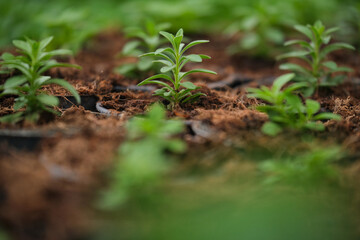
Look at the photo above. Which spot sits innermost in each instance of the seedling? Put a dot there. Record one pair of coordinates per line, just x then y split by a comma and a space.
262, 26
137, 171
312, 167
286, 110
70, 28
174, 60
32, 63
147, 40
314, 53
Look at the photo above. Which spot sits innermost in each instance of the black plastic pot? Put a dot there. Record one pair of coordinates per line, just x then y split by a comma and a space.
87, 101
26, 139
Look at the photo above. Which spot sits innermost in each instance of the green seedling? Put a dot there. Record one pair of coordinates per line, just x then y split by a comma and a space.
312, 167
138, 171
70, 28
314, 53
262, 26
174, 60
147, 40
32, 63
286, 110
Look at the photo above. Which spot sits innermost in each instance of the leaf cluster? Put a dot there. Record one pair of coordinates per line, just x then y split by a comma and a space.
286, 109
175, 90
32, 63
147, 39
314, 53
142, 160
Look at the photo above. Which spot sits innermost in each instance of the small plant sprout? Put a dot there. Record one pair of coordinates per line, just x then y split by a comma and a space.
286, 110
135, 171
314, 53
147, 40
32, 63
173, 59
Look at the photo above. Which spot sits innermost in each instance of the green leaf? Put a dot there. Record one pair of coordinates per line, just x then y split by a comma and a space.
125, 69
12, 118
271, 129
10, 92
159, 76
203, 56
25, 46
333, 47
19, 104
324, 116
169, 37
7, 56
194, 58
180, 33
315, 126
189, 85
67, 86
58, 52
250, 41
193, 44
331, 30
196, 71
45, 42
300, 42
312, 107
296, 54
295, 86
295, 102
165, 62
281, 81
331, 65
167, 68
48, 100
144, 63
295, 68
176, 145
53, 63
146, 81
304, 30
15, 82
193, 98
129, 48
41, 80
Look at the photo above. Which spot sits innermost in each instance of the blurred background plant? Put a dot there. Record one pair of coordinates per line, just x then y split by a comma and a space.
315, 166
147, 39
260, 24
142, 159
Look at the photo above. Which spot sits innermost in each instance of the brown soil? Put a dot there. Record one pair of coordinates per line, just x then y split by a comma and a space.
45, 194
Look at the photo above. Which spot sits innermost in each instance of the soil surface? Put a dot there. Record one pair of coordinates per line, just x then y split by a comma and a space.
45, 194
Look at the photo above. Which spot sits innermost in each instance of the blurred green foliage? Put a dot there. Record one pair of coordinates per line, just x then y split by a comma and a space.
3, 236
308, 168
146, 39
261, 22
142, 161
